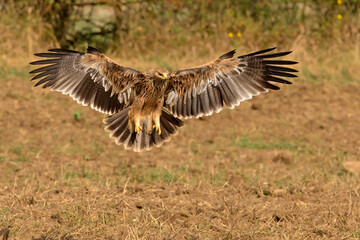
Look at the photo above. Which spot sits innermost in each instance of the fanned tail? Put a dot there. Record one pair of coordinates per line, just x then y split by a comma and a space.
117, 125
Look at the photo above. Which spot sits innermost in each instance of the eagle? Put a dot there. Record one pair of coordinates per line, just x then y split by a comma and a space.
145, 108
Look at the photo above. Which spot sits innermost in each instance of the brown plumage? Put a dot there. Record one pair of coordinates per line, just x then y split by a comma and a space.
145, 107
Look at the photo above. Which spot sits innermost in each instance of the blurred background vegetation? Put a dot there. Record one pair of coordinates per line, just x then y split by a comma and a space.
148, 29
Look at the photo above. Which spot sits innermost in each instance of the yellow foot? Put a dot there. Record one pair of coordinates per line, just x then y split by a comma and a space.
138, 129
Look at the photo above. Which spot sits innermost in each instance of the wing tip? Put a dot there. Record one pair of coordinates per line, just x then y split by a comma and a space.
228, 54
270, 49
258, 52
61, 50
93, 50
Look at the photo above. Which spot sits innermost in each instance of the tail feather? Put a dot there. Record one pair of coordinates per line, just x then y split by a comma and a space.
120, 131
117, 125
169, 128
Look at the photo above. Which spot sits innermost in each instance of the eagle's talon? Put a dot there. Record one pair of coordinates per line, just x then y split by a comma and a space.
138, 129
158, 129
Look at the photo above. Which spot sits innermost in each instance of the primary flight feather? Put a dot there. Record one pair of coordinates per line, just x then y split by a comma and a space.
145, 107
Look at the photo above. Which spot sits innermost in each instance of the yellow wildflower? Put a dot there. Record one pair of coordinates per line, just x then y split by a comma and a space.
230, 34
339, 2
239, 34
339, 16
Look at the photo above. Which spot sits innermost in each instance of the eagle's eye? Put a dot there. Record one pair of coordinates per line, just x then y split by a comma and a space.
161, 75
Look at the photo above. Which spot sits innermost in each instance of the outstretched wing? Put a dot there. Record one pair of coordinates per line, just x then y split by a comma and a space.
203, 90
89, 78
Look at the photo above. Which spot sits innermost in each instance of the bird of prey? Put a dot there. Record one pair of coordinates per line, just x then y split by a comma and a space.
145, 108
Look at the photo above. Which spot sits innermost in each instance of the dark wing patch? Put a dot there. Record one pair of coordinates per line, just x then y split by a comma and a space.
87, 78
205, 89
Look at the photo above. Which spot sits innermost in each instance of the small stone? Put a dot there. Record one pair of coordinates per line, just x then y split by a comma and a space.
256, 106
282, 158
352, 166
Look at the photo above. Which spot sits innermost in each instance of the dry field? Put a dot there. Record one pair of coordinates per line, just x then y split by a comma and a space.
284, 165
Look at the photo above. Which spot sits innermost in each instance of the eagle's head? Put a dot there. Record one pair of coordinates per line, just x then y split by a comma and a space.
160, 74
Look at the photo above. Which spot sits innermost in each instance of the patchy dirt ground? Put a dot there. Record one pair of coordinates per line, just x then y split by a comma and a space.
281, 166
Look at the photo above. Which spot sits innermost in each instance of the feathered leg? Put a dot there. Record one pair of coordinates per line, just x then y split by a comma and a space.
150, 123
137, 120
156, 117
135, 116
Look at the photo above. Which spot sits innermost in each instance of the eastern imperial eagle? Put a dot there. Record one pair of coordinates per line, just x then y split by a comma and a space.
145, 107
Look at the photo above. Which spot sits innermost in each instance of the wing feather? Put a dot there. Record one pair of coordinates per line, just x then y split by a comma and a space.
228, 80
89, 78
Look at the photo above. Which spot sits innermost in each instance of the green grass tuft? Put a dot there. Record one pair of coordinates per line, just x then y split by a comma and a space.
77, 115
